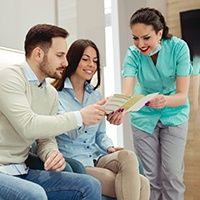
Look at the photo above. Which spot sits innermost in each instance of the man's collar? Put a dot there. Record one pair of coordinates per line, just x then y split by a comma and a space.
32, 78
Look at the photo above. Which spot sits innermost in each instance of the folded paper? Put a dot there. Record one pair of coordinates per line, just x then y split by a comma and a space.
128, 103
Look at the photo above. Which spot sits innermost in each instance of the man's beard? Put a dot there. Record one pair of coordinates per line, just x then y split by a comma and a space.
45, 69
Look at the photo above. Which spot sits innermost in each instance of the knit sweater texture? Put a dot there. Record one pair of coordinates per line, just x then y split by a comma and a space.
28, 113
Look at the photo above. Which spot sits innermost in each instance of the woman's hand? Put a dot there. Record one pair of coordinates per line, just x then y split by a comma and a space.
116, 118
159, 101
114, 149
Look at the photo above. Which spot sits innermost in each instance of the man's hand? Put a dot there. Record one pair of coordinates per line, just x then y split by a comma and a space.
55, 162
92, 114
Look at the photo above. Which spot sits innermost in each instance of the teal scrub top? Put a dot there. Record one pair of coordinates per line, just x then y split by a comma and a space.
173, 60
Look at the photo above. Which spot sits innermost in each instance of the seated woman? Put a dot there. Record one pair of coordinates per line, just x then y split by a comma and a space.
118, 170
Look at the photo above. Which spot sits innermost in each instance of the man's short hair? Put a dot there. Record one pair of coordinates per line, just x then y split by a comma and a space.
41, 35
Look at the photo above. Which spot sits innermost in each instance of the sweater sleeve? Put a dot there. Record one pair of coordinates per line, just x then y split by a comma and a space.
46, 146
16, 108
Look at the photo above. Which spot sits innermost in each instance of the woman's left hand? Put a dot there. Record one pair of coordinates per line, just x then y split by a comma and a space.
114, 149
158, 101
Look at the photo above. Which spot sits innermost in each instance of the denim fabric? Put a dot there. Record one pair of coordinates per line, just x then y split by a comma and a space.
72, 166
43, 185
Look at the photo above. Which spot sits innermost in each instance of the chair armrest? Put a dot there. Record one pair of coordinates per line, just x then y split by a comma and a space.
141, 168
34, 162
76, 166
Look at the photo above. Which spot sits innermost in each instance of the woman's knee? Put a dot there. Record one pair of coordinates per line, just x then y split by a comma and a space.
127, 157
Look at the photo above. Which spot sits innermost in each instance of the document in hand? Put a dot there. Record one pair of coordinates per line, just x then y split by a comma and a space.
128, 103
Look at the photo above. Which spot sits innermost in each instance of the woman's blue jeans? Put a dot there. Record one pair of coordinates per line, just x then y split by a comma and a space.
43, 185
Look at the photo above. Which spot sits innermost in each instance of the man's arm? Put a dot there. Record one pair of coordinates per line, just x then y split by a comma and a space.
30, 125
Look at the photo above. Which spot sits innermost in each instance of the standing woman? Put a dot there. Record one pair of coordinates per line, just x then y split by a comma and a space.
118, 170
161, 63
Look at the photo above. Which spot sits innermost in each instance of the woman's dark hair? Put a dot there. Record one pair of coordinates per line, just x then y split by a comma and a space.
41, 35
151, 16
74, 56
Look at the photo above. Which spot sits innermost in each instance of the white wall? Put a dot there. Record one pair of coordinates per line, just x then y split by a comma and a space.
18, 16
84, 19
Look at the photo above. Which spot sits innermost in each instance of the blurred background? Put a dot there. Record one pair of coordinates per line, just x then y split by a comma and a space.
106, 22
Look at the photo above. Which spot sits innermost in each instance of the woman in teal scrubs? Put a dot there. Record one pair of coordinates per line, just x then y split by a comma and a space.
161, 63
